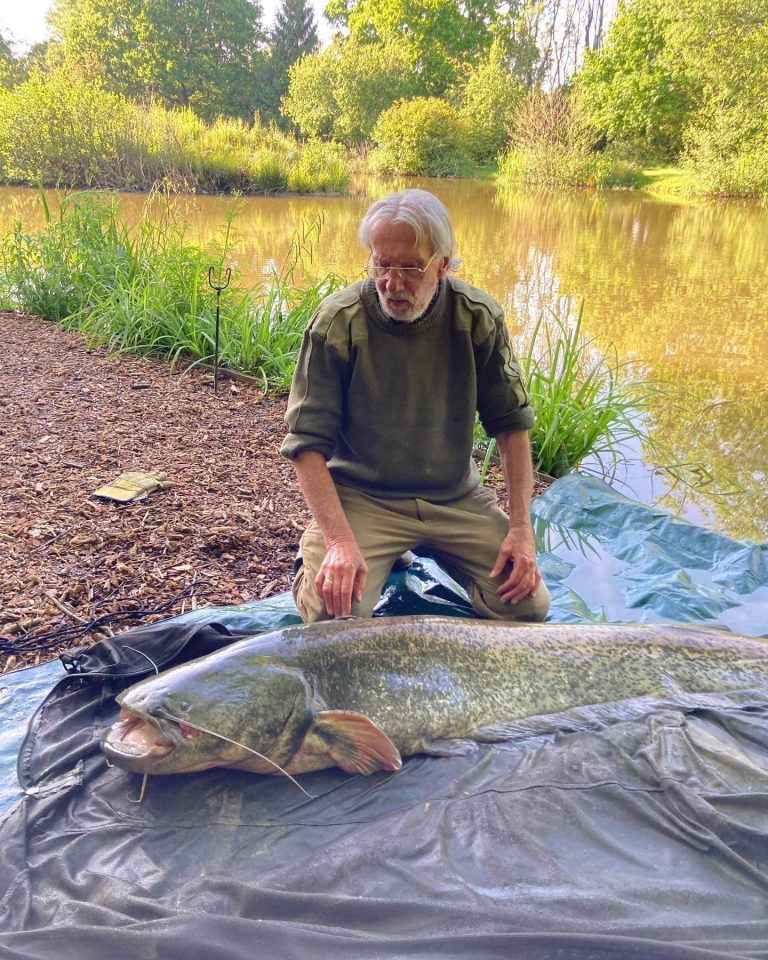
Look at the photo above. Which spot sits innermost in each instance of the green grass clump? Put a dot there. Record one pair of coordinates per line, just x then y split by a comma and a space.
146, 288
586, 402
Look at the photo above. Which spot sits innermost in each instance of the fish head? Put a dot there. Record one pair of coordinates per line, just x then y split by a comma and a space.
199, 716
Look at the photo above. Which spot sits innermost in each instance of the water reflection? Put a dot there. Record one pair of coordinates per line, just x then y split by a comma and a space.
680, 288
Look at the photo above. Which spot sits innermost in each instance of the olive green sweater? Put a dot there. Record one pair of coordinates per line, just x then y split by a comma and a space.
391, 405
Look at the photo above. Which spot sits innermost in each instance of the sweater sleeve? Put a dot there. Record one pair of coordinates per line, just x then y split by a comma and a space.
502, 399
316, 401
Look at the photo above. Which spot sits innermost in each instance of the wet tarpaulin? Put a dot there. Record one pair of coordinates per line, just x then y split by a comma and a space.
647, 838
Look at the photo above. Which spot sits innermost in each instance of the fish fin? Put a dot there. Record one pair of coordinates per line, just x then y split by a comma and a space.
355, 743
448, 748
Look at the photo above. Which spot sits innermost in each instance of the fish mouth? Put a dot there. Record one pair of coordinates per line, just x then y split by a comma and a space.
138, 741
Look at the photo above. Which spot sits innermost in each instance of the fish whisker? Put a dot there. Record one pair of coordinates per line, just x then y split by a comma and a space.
220, 736
141, 789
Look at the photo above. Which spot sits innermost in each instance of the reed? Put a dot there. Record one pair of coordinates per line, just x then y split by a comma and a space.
146, 288
588, 404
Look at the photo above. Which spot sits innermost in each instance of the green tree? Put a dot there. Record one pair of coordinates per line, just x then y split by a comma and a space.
205, 54
488, 99
341, 90
515, 39
293, 35
441, 34
632, 88
11, 68
721, 49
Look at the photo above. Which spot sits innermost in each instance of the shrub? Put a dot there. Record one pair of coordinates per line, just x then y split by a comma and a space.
420, 137
727, 154
342, 90
488, 100
60, 132
553, 143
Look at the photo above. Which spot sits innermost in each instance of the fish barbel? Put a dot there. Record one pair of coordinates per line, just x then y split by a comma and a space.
360, 694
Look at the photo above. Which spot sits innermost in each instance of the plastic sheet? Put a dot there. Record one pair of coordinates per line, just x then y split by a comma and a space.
645, 838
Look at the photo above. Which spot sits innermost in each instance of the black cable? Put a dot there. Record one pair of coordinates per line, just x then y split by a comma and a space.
45, 641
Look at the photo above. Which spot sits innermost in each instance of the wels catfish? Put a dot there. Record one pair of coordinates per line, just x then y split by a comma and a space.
360, 694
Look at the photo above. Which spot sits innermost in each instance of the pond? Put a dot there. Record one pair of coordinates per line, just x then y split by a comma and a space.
680, 289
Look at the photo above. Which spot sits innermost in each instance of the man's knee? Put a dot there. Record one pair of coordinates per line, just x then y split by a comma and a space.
309, 604
530, 610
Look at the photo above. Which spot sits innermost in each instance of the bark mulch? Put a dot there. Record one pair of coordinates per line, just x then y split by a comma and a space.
74, 568
72, 418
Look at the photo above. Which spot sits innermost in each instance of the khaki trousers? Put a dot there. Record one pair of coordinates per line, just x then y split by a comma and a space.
463, 536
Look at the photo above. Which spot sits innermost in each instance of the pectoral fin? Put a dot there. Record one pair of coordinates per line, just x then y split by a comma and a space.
354, 742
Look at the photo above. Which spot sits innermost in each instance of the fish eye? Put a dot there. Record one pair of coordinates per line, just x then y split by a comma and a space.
183, 705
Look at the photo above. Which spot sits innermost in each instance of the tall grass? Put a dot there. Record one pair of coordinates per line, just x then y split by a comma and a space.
587, 403
60, 131
146, 288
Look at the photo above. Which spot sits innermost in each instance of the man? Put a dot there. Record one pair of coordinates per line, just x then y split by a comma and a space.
380, 419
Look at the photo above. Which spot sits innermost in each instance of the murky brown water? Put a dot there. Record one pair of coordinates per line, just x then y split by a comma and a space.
682, 289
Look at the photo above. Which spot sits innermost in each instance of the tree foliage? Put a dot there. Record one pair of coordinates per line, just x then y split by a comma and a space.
342, 90
203, 54
687, 78
441, 34
295, 31
293, 35
488, 99
635, 94
11, 68
423, 136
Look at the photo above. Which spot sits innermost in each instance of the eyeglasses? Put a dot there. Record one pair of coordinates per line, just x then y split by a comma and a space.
377, 272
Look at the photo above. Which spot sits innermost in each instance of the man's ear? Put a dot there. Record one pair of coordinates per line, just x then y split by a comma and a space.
443, 267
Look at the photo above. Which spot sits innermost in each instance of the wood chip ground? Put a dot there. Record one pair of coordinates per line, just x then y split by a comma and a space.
74, 417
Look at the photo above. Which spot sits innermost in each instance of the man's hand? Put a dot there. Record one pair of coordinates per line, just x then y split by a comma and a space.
518, 549
342, 577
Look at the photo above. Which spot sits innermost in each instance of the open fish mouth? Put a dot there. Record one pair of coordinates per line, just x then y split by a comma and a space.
141, 737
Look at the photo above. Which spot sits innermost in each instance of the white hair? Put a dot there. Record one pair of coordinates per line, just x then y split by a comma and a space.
423, 212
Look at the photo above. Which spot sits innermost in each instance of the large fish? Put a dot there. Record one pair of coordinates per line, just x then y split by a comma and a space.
360, 694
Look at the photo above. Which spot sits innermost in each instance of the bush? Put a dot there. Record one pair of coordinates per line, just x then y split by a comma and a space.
342, 90
727, 154
421, 137
553, 143
488, 100
61, 132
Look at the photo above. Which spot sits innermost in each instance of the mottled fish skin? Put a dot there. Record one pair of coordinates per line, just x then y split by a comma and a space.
440, 678
426, 679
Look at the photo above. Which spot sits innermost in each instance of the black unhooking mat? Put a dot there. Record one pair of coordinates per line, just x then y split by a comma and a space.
646, 839
643, 839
